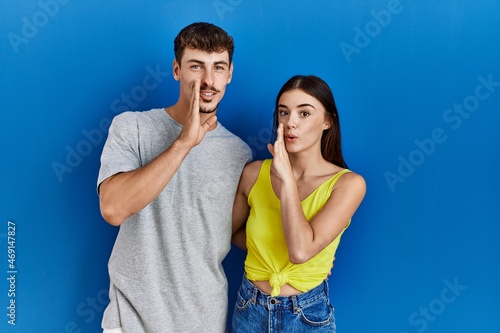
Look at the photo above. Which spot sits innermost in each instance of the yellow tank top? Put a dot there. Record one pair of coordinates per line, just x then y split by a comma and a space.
267, 257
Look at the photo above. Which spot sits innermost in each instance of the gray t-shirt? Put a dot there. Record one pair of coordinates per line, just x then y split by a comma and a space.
165, 270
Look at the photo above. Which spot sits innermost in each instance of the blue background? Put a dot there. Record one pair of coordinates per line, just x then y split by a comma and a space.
422, 252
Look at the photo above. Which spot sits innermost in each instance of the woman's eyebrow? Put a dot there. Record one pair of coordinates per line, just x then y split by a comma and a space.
299, 106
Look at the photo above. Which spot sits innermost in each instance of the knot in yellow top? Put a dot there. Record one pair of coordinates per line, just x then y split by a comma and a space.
277, 280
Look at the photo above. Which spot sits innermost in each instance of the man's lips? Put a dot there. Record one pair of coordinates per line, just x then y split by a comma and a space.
207, 95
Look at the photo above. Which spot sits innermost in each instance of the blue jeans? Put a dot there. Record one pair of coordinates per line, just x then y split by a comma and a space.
257, 312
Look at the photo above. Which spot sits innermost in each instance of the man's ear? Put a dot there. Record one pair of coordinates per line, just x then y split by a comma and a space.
231, 67
175, 69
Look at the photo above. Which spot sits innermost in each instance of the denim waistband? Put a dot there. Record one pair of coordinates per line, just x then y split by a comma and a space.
294, 302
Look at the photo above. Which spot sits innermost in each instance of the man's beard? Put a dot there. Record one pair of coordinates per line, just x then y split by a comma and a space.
207, 111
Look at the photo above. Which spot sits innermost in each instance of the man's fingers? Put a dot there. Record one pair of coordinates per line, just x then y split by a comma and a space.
195, 97
209, 122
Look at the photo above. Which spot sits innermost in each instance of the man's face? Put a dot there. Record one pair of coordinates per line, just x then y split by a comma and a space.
214, 72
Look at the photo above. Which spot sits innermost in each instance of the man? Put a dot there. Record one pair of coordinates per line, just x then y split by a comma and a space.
168, 179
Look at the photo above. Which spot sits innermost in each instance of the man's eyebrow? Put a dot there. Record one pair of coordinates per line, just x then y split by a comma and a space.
196, 61
220, 62
299, 106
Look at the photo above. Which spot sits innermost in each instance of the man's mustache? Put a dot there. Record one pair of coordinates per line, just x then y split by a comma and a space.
206, 87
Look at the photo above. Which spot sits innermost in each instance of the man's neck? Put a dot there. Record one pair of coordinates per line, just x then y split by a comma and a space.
180, 113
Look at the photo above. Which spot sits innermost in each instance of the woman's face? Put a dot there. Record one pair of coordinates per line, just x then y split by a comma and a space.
304, 120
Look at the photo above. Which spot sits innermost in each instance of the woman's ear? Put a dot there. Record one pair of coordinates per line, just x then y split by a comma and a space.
327, 124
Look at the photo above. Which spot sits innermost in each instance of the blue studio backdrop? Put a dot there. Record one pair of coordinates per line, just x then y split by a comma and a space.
417, 84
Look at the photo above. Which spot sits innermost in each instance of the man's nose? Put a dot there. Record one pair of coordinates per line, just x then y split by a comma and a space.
208, 78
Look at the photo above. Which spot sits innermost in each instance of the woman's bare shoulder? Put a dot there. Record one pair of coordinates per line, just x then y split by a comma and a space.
253, 167
250, 175
352, 180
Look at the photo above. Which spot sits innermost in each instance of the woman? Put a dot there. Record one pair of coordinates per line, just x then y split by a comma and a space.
289, 214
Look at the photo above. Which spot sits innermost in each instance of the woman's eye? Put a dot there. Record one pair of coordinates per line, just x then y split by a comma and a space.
282, 113
304, 113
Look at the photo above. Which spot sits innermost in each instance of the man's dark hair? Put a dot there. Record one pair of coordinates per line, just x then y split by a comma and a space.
203, 36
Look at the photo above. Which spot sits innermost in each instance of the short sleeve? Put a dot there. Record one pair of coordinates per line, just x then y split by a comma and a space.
121, 150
